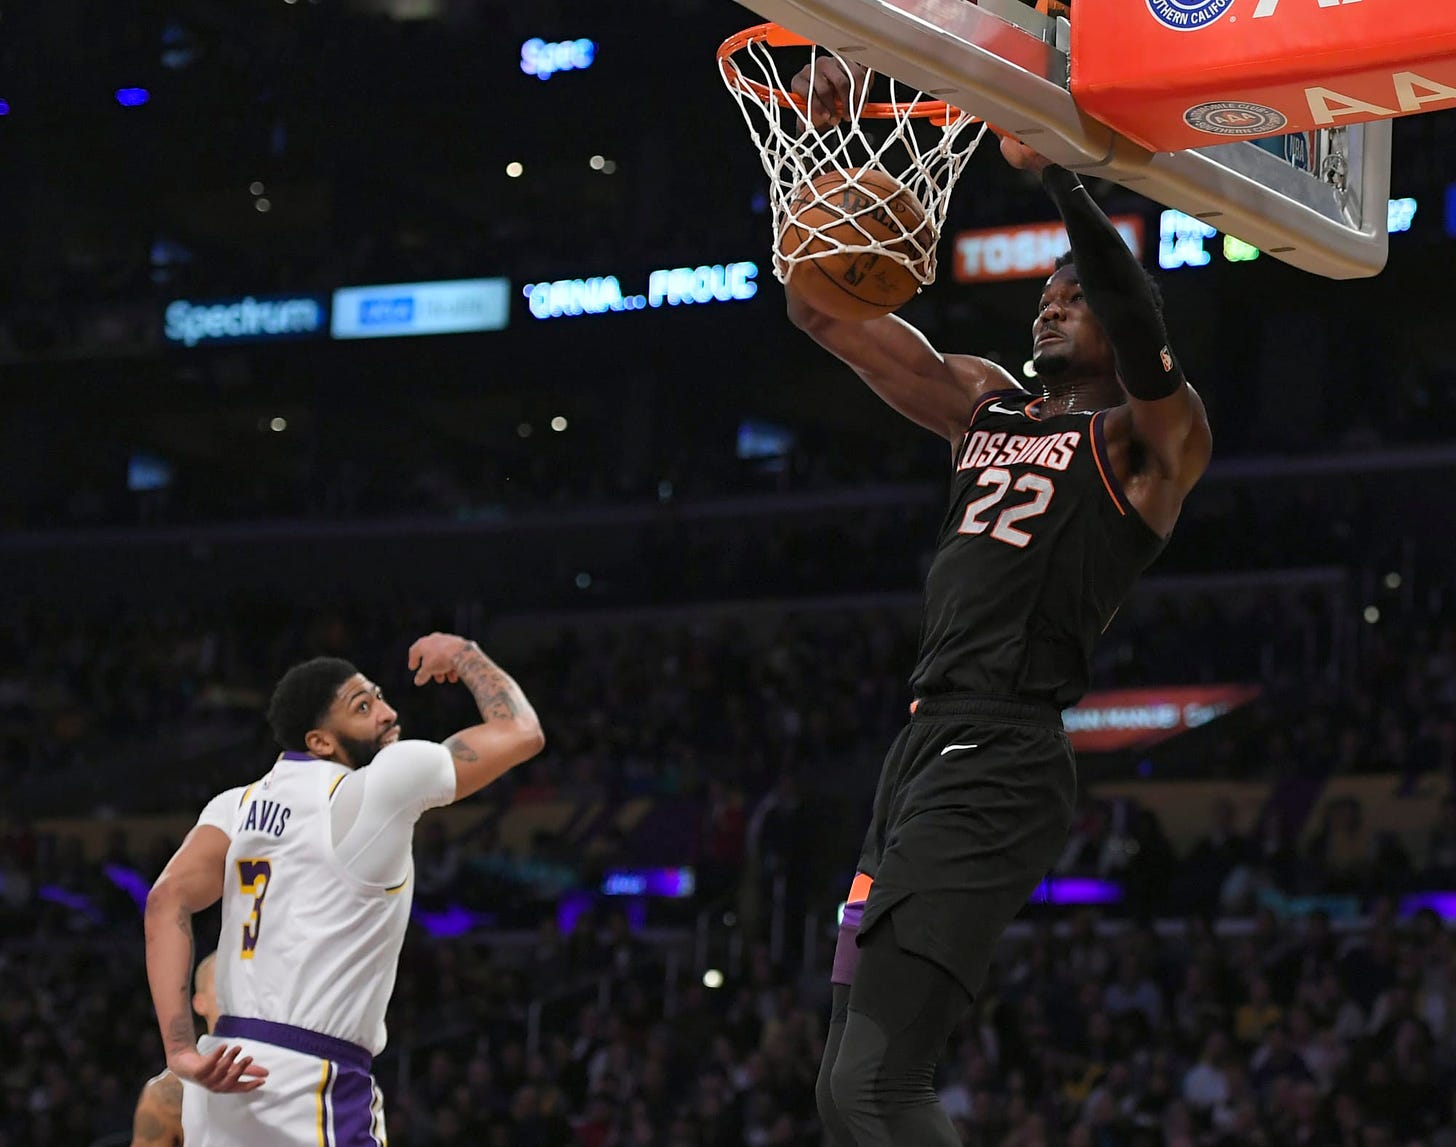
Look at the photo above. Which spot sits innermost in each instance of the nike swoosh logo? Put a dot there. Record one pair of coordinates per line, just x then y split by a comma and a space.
954, 748
997, 408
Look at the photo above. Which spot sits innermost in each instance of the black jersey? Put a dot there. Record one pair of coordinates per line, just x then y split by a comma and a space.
1037, 552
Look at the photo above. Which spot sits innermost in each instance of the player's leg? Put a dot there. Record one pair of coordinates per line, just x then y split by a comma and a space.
901, 1010
846, 958
823, 1091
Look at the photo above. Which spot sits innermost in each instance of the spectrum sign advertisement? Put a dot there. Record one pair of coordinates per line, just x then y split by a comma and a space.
402, 310
1115, 719
253, 318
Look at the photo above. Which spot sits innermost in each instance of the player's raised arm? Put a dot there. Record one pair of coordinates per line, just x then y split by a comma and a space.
509, 731
1167, 415
897, 362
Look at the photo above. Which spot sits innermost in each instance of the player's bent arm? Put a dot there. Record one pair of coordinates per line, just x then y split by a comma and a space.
509, 732
897, 362
1168, 417
191, 882
158, 1118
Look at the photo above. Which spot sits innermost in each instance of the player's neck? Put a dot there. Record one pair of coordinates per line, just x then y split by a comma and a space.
1079, 394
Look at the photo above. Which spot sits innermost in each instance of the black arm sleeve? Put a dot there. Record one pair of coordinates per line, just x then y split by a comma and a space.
1117, 290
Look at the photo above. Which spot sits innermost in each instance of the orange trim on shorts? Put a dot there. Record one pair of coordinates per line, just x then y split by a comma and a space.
859, 891
914, 705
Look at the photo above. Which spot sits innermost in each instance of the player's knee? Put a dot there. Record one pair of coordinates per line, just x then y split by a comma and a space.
824, 1095
850, 1089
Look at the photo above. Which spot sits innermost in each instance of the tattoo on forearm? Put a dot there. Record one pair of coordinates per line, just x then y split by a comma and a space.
496, 695
180, 1032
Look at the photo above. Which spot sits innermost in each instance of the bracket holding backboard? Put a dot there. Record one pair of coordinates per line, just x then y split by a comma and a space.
1009, 64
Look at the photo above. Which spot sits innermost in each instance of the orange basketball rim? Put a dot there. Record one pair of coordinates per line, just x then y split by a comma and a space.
937, 112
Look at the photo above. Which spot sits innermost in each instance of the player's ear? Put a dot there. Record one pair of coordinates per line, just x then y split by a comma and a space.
320, 742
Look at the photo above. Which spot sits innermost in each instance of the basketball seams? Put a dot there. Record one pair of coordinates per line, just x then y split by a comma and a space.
872, 208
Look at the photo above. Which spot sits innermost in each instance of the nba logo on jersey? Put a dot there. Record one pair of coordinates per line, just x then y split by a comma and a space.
1188, 15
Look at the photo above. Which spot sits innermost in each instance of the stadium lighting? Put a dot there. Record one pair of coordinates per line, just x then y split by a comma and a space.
558, 424
4, 107
278, 425
597, 162
1372, 614
132, 97
713, 979
264, 205
515, 170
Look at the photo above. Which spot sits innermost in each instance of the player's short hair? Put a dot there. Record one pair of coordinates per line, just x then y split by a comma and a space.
302, 698
1066, 260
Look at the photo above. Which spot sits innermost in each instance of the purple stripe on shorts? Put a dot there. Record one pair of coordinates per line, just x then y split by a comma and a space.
341, 1051
846, 951
353, 1116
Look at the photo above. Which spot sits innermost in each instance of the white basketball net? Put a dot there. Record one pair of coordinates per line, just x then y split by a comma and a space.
903, 138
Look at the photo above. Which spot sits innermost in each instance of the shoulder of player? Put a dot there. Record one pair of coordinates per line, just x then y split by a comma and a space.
980, 376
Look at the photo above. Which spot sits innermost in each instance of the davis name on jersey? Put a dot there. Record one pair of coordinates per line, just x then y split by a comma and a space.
265, 816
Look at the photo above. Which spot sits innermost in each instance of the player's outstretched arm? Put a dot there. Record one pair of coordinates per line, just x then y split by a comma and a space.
897, 362
1167, 415
509, 732
191, 882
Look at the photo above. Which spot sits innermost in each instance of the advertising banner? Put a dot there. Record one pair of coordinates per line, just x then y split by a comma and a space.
399, 310
1114, 719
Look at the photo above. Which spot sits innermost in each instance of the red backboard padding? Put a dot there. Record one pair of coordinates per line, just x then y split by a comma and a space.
1175, 74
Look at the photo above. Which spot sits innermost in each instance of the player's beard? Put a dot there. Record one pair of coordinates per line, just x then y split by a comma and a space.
1052, 364
361, 752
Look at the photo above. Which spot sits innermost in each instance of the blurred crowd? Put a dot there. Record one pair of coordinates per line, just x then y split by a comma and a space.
1090, 1033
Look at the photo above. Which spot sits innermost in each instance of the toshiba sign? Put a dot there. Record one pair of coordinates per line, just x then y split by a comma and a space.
1025, 252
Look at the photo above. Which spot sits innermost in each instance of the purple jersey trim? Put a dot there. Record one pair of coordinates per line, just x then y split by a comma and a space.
298, 757
846, 948
341, 1051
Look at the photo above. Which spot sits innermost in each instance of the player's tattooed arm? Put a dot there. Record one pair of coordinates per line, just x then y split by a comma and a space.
509, 731
496, 696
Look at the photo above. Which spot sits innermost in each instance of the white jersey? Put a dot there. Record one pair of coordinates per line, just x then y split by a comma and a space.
314, 916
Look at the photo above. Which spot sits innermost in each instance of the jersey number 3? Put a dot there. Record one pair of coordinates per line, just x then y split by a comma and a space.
1004, 529
254, 879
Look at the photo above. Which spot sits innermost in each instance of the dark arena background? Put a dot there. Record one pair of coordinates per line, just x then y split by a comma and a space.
697, 541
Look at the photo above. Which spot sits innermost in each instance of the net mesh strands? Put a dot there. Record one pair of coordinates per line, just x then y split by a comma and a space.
923, 144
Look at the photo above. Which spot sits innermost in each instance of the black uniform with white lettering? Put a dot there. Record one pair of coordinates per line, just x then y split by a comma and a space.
1037, 552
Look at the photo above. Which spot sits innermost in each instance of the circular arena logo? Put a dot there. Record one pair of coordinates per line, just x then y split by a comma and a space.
1233, 117
1188, 15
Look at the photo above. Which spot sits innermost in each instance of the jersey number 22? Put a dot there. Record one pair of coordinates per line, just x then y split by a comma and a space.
1004, 529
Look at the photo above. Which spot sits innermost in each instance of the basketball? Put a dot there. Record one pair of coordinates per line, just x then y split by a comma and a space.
838, 210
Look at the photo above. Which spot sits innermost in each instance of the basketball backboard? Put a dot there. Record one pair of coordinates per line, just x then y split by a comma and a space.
1009, 64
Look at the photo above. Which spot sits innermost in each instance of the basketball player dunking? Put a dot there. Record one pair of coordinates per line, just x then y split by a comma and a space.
1058, 502
166, 1104
313, 865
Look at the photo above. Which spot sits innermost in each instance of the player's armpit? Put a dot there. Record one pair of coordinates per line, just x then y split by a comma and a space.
1175, 436
897, 362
